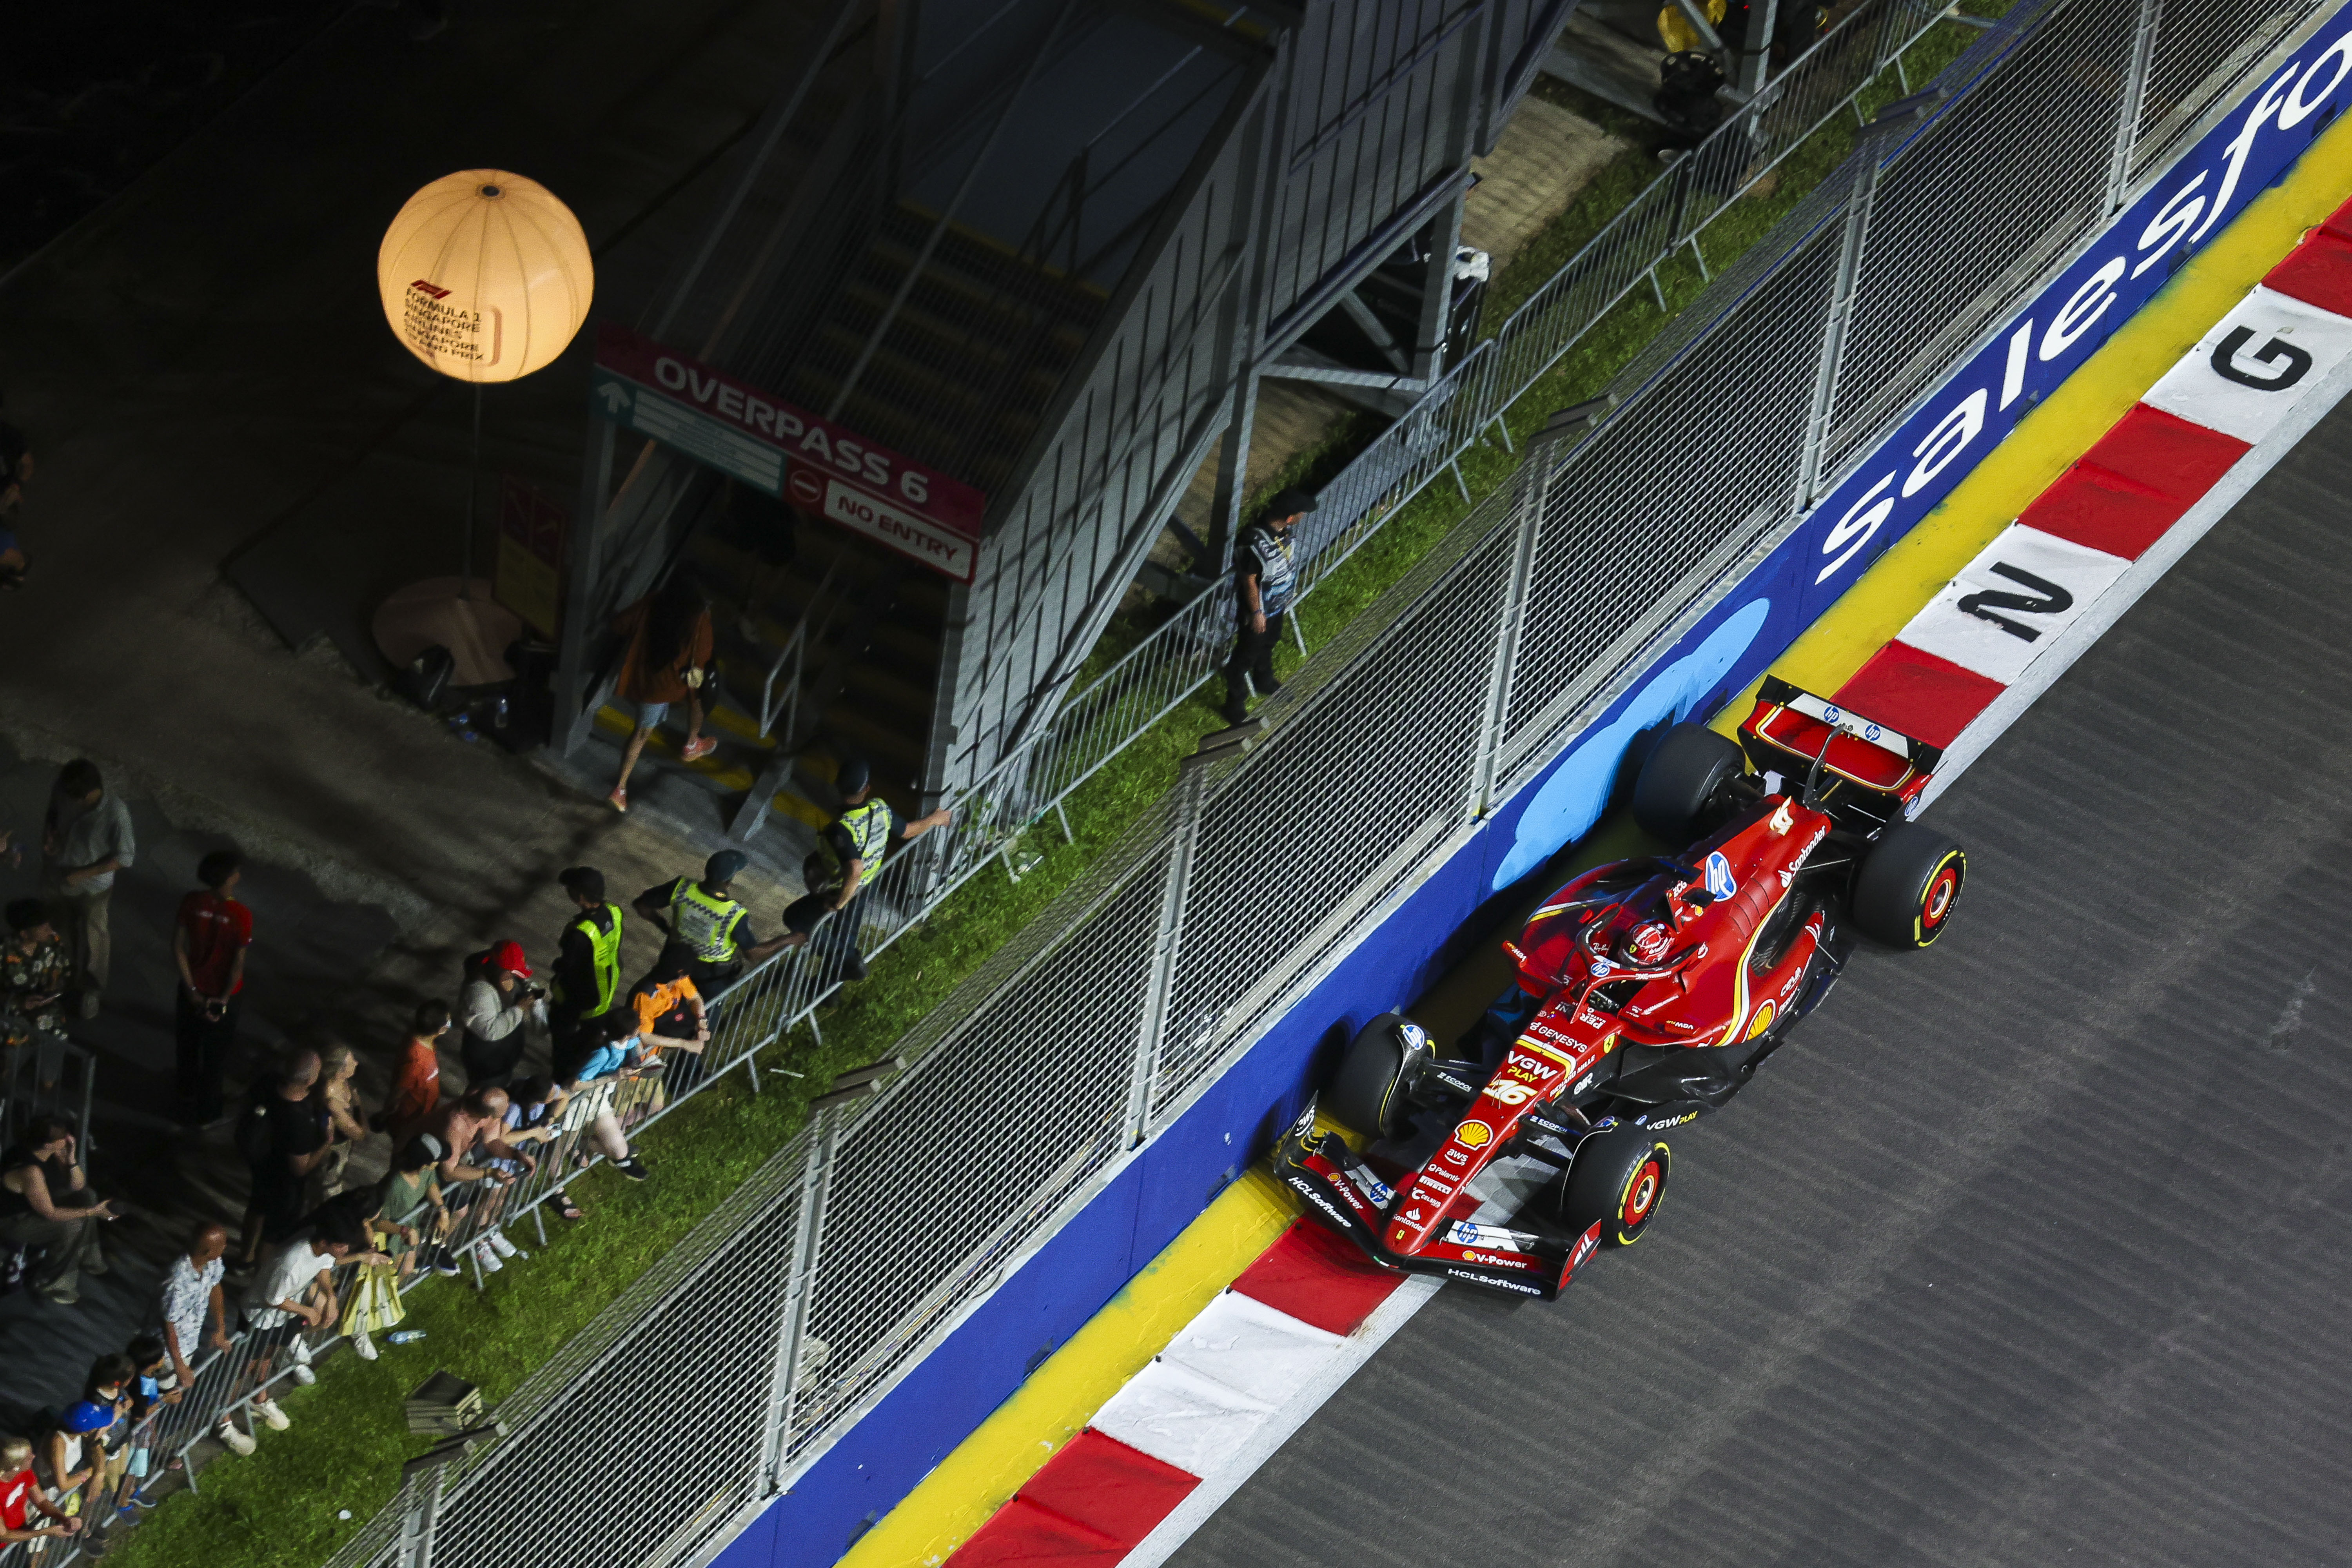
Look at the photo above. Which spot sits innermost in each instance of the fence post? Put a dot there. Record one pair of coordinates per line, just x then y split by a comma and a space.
2134, 93
1534, 484
1192, 795
416, 1525
799, 1285
1841, 294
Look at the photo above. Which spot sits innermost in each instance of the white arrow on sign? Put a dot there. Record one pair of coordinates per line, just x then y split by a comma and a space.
616, 397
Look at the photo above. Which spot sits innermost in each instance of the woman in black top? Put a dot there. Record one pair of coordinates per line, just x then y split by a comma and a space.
44, 1203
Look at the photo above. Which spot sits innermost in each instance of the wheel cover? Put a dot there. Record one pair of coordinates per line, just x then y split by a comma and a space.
1642, 1192
1942, 888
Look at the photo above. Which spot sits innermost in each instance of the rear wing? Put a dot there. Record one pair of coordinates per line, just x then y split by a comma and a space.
1790, 728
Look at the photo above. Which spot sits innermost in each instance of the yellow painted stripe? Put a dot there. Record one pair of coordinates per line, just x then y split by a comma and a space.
1061, 1396
2067, 425
1058, 1400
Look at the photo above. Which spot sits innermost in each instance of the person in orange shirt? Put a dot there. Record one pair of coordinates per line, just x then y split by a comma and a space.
671, 1023
417, 1083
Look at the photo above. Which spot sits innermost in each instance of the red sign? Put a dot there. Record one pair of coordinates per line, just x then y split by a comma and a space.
831, 469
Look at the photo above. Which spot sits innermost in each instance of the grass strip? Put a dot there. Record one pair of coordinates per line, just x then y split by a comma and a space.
279, 1507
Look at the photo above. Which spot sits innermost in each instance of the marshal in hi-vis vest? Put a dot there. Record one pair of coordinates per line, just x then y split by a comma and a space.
868, 826
703, 925
605, 960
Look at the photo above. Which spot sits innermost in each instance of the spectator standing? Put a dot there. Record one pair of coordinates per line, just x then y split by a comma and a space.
711, 931
587, 981
859, 838
496, 1001
86, 838
535, 1115
297, 1293
109, 1392
149, 1399
1265, 583
209, 938
283, 1137
668, 661
615, 1058
416, 1082
192, 1298
472, 1135
413, 1197
346, 1121
671, 1023
72, 1455
35, 975
45, 1203
22, 1498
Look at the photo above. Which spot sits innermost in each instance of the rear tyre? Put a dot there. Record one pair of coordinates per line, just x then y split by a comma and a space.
1685, 771
1368, 1093
1618, 1178
1908, 885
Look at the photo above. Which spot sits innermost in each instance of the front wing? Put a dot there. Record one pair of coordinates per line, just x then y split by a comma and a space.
1344, 1194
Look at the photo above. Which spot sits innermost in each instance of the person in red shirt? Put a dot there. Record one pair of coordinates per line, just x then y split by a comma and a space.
208, 944
21, 1495
416, 1082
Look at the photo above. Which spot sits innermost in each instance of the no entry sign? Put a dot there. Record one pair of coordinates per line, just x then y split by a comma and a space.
787, 451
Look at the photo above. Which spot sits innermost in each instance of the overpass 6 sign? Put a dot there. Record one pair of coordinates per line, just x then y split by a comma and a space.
803, 457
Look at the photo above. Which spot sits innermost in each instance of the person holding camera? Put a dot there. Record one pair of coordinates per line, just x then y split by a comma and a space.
44, 1203
497, 998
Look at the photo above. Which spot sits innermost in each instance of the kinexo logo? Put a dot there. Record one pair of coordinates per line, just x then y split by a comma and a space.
2072, 318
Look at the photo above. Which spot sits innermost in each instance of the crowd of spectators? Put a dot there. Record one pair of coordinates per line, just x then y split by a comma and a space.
556, 1072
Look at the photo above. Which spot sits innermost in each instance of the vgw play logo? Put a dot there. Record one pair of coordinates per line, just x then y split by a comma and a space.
2076, 313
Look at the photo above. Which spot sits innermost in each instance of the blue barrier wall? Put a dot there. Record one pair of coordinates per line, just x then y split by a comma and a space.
943, 1399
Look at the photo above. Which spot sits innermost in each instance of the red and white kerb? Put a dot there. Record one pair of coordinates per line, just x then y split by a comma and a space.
2245, 378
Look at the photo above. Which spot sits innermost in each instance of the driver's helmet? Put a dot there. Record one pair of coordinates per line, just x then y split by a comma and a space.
1646, 945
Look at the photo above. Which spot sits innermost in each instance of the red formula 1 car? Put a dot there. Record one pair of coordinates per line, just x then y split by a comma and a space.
1649, 991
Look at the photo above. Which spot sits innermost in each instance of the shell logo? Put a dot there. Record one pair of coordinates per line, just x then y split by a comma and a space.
1473, 1134
1762, 1021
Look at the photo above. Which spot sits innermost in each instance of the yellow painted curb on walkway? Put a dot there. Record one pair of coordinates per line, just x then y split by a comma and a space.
1058, 1400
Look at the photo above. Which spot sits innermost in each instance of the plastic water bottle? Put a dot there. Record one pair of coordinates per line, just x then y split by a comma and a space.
403, 1336
499, 719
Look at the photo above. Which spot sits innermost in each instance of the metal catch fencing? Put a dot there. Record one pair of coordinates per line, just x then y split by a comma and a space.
793, 1310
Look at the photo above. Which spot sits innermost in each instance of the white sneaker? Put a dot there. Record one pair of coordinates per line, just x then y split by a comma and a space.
364, 1345
486, 1257
304, 1377
238, 1442
501, 1245
301, 1351
272, 1415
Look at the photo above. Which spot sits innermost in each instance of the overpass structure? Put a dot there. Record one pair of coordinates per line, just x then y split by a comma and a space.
1043, 253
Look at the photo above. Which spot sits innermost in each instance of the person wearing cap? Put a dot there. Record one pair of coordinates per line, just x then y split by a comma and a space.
1265, 583
859, 838
496, 999
704, 923
586, 979
73, 1454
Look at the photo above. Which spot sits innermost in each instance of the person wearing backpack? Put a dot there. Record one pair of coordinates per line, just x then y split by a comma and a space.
281, 1137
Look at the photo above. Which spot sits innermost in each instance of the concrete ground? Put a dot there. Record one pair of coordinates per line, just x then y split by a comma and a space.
2029, 1247
204, 373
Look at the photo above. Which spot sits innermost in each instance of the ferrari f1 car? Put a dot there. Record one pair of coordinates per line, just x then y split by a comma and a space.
1648, 993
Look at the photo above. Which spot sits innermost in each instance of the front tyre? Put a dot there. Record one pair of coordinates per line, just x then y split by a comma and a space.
1618, 1177
1368, 1094
1908, 885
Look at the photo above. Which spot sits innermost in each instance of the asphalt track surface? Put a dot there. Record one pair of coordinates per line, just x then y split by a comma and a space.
2029, 1249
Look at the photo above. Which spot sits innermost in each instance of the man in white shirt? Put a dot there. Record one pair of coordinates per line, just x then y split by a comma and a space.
192, 1296
297, 1293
